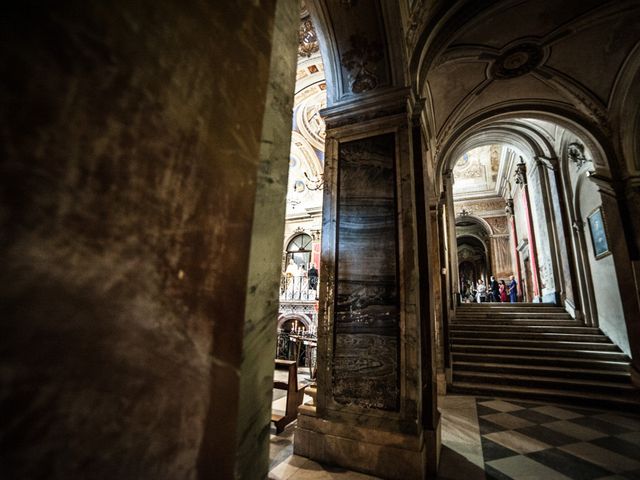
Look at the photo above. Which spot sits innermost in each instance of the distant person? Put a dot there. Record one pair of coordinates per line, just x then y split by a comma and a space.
495, 289
513, 289
503, 291
481, 292
313, 277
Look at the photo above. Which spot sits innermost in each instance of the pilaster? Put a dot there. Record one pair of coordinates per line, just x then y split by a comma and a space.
376, 406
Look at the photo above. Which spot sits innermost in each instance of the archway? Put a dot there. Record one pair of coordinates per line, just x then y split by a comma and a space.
554, 191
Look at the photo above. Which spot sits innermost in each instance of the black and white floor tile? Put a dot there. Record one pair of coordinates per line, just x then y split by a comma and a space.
523, 440
488, 438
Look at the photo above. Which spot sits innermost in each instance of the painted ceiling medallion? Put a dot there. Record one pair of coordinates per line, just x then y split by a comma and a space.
517, 61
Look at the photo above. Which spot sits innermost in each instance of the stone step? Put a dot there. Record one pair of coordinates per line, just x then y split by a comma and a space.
586, 372
579, 385
524, 328
630, 401
513, 315
519, 321
537, 343
527, 335
511, 311
540, 351
562, 362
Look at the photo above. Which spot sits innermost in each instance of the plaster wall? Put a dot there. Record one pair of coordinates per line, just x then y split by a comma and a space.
606, 288
131, 148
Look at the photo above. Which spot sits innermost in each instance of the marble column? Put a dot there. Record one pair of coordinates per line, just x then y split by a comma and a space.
143, 171
548, 233
521, 179
515, 254
376, 409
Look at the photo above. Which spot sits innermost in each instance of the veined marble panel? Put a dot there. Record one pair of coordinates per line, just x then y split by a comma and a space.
365, 363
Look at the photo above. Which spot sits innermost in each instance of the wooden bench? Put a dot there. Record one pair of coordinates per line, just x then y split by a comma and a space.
295, 394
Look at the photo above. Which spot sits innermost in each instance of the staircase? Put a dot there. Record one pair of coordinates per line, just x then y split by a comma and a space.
537, 351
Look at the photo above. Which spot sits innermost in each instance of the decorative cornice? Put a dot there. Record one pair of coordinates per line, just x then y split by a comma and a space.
380, 104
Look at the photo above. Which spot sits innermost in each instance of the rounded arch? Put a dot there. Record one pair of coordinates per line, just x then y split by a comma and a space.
300, 317
623, 106
475, 219
298, 233
605, 160
497, 124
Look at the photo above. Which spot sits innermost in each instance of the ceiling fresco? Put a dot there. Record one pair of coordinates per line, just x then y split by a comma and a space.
304, 193
476, 67
477, 170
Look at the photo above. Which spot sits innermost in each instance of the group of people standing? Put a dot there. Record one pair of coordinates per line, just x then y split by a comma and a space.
496, 291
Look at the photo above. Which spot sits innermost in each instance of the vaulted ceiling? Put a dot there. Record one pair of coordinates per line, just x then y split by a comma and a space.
564, 56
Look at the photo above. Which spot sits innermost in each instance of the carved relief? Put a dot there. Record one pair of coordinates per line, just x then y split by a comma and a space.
307, 39
498, 224
361, 62
480, 207
575, 152
521, 173
508, 208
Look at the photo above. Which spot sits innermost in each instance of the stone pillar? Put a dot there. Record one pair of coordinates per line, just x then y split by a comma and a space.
445, 286
371, 412
587, 295
548, 235
454, 277
135, 147
521, 179
515, 254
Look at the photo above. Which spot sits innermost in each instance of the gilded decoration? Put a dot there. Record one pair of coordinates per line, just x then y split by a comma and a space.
307, 38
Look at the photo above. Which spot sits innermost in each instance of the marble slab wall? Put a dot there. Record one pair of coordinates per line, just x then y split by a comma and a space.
365, 363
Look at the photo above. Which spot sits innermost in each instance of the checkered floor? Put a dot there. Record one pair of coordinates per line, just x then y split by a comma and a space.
523, 440
488, 438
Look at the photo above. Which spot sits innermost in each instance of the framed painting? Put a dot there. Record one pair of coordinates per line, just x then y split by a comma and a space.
598, 232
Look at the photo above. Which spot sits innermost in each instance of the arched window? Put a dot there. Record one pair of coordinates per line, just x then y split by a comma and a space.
299, 252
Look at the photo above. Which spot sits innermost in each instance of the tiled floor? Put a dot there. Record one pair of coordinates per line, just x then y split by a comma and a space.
485, 438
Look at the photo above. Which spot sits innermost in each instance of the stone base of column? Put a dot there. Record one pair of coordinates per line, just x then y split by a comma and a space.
393, 456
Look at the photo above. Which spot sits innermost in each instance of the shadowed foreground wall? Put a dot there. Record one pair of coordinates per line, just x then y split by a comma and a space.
131, 141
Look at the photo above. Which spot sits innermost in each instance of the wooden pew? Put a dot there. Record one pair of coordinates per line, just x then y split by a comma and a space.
295, 394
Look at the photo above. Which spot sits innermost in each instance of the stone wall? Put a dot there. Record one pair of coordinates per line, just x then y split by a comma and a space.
131, 140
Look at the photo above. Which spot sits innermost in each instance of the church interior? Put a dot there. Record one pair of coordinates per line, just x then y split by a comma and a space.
320, 239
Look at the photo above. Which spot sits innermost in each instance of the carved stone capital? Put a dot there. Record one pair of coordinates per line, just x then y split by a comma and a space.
521, 172
575, 153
